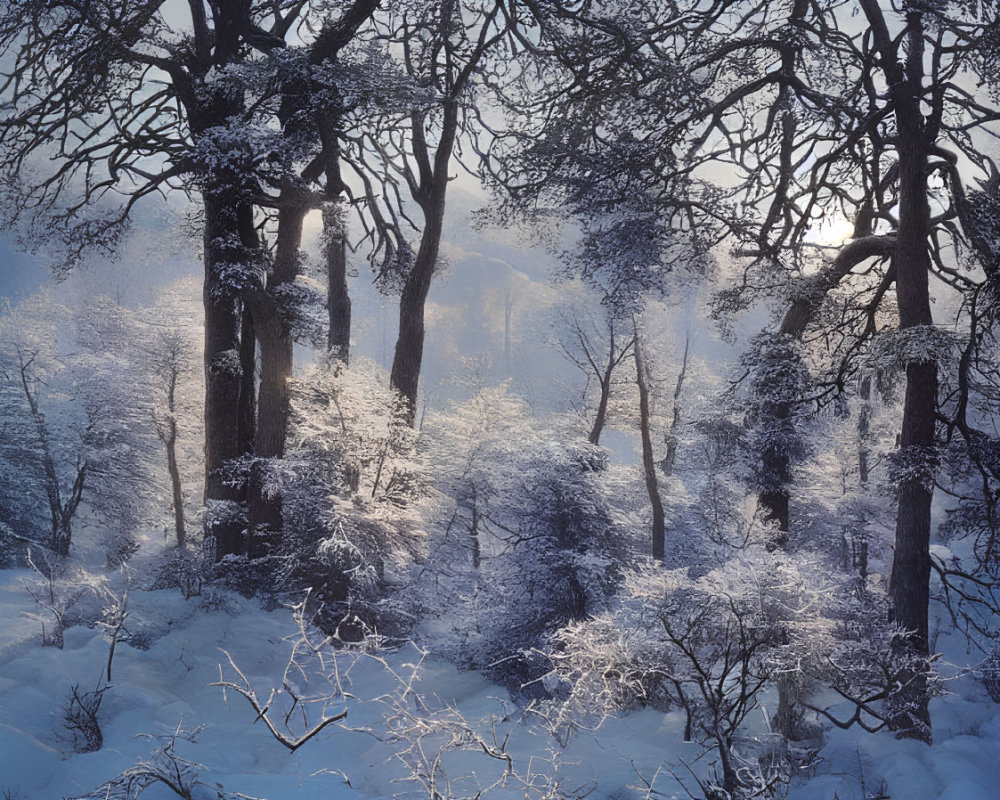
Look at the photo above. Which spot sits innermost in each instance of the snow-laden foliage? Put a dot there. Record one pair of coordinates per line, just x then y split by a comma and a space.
771, 402
894, 349
352, 488
122, 488
716, 646
44, 458
89, 396
711, 645
532, 533
141, 386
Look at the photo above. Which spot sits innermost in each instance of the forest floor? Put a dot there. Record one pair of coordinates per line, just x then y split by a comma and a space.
166, 683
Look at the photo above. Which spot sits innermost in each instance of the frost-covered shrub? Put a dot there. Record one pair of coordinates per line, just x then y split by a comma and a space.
80, 718
65, 595
179, 568
989, 674
244, 575
597, 669
527, 537
561, 563
715, 513
84, 398
777, 382
12, 551
119, 546
164, 767
43, 459
351, 487
712, 645
869, 665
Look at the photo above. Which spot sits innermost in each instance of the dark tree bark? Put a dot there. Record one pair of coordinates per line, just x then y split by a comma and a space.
658, 530
247, 410
168, 435
406, 363
338, 298
302, 123
231, 253
476, 546
223, 368
584, 348
600, 418
277, 347
909, 583
667, 464
450, 61
176, 495
275, 337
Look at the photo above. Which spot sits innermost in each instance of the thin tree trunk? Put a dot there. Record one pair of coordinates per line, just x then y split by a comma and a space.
864, 432
63, 531
169, 438
177, 495
667, 464
474, 533
658, 531
602, 407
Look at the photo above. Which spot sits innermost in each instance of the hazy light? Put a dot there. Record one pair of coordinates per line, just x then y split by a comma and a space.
831, 231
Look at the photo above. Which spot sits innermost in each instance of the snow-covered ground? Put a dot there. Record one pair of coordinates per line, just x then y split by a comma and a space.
168, 685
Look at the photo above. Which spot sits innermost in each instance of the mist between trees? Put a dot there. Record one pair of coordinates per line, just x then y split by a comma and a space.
810, 186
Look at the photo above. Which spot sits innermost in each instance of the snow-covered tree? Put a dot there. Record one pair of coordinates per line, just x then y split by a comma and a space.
352, 486
532, 533
44, 454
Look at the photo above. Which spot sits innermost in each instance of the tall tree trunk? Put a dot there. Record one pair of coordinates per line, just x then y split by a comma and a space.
223, 368
338, 298
275, 337
409, 353
658, 530
474, 534
176, 495
277, 348
909, 583
246, 413
864, 429
406, 363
